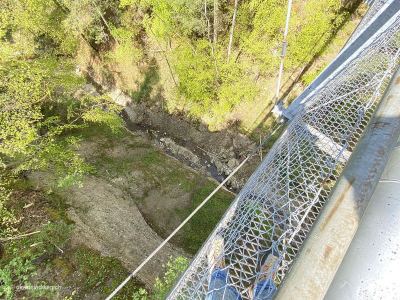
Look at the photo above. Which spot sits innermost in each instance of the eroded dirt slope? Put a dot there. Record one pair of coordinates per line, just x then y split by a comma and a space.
135, 198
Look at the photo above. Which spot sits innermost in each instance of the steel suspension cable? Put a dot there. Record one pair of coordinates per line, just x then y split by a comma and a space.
284, 48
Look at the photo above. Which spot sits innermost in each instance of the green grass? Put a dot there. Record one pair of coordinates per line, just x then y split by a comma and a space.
99, 131
99, 273
57, 208
185, 179
23, 257
151, 78
195, 233
152, 157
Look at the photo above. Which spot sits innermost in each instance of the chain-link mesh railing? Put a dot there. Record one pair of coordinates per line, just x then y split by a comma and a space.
278, 205
372, 12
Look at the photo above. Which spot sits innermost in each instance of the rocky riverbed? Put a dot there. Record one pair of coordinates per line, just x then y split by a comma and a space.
214, 154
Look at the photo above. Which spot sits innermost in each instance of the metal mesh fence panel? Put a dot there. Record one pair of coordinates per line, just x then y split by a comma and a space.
280, 202
372, 11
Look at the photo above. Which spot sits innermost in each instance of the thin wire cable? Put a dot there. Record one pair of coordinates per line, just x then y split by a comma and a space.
255, 151
284, 47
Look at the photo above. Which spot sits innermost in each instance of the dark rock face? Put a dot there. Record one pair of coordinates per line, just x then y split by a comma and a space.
213, 153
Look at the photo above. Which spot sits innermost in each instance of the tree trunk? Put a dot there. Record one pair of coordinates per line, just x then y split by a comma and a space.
105, 23
164, 53
215, 37
207, 21
232, 29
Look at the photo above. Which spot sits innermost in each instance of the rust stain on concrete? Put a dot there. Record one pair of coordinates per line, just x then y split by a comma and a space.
337, 204
327, 251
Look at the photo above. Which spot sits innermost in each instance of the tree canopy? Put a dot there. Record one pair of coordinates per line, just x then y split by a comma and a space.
40, 39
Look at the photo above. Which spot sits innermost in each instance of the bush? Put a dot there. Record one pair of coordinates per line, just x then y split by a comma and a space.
175, 268
125, 53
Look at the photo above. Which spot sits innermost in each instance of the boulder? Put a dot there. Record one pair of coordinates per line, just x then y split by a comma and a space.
135, 114
181, 151
120, 97
233, 163
87, 89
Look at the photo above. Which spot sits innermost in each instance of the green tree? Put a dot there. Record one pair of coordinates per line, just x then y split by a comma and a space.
34, 25
37, 111
197, 76
312, 29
